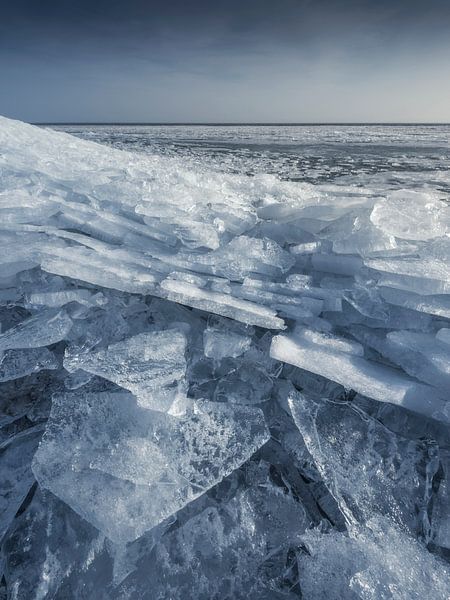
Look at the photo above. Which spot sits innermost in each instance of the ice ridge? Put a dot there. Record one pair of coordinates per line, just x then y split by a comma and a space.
217, 385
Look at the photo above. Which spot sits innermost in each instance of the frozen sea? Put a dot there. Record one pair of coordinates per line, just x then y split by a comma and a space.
390, 155
224, 362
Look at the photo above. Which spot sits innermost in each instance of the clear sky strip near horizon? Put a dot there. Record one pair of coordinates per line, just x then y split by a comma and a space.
234, 61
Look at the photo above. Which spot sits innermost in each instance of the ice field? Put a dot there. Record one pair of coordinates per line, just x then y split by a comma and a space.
224, 362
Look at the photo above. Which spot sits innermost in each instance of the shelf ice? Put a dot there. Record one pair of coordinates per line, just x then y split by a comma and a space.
245, 370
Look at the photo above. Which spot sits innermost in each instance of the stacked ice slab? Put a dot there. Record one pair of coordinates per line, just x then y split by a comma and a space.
220, 383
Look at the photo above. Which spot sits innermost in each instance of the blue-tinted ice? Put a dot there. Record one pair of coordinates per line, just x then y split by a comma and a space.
224, 363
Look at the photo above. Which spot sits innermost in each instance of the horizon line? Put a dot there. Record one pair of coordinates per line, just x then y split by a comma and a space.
244, 124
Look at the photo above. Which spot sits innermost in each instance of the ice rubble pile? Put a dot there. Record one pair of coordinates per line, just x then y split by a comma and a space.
217, 386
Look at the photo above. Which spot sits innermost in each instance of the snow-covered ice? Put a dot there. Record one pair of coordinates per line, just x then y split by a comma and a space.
224, 375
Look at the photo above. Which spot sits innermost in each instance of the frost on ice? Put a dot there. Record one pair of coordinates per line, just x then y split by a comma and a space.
220, 386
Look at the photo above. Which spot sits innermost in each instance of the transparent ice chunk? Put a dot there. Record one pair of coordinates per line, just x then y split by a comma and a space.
42, 329
150, 365
369, 378
125, 469
411, 215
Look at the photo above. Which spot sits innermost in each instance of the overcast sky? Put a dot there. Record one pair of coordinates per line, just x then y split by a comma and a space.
225, 61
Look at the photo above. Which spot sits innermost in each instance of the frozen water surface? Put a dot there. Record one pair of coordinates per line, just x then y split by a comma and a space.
224, 362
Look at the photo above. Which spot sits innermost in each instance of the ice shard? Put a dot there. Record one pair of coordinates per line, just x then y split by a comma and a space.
151, 365
369, 378
125, 469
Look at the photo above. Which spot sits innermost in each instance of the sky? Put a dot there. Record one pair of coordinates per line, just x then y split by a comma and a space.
225, 61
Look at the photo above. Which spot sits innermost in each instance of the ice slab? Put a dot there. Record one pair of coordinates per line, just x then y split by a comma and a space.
220, 344
17, 477
43, 329
422, 356
19, 363
421, 275
434, 305
411, 215
381, 562
381, 482
329, 341
125, 469
60, 298
440, 518
366, 377
150, 365
259, 518
368, 469
221, 304
48, 546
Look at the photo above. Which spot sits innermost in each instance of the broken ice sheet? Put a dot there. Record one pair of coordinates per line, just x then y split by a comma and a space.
422, 356
370, 378
434, 305
248, 538
18, 363
42, 329
221, 303
247, 379
102, 233
15, 460
440, 518
382, 483
59, 298
367, 468
380, 562
411, 215
244, 256
125, 469
47, 544
219, 344
149, 364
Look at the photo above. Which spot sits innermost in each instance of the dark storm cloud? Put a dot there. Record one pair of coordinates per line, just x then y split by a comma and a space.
75, 59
